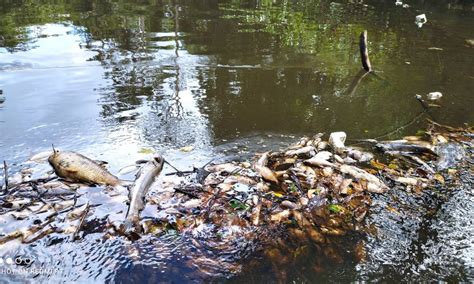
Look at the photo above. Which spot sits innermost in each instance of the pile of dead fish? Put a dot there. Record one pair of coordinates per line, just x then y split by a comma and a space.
314, 191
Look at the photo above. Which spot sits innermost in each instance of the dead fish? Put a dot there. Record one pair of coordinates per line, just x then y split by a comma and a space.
228, 167
338, 159
323, 155
256, 214
304, 151
263, 160
280, 216
319, 162
193, 203
374, 183
144, 179
267, 174
75, 167
261, 167
224, 187
402, 146
407, 180
239, 179
322, 145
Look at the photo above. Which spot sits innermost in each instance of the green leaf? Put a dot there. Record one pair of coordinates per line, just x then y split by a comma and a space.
334, 208
292, 187
238, 205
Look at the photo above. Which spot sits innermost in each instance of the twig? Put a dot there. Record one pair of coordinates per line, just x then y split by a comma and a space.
181, 173
449, 128
403, 126
211, 203
297, 182
84, 215
199, 171
174, 168
420, 162
39, 180
35, 188
183, 191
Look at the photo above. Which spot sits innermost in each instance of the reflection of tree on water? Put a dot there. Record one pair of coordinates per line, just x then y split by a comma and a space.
176, 108
305, 50
149, 82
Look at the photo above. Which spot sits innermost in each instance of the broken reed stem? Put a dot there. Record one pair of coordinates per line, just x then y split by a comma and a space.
5, 173
364, 53
81, 222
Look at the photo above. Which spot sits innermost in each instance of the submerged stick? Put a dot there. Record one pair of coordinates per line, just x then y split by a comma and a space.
364, 53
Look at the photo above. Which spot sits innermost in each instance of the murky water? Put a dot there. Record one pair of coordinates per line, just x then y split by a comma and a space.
116, 80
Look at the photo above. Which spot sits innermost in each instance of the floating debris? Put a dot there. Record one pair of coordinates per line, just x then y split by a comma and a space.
186, 149
469, 42
420, 20
305, 195
433, 96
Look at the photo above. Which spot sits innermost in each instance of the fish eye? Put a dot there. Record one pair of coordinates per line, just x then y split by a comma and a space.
158, 159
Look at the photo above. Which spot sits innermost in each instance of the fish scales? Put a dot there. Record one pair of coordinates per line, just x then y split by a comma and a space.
144, 179
78, 168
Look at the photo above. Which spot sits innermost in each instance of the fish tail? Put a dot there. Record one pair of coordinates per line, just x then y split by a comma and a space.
124, 183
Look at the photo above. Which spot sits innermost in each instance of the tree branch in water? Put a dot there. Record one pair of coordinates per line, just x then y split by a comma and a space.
364, 53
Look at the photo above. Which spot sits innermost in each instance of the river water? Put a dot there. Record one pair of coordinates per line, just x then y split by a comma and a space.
118, 80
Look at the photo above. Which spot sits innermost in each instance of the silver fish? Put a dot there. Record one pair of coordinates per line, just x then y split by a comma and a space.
144, 179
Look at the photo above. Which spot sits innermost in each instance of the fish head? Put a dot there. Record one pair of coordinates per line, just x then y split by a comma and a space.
52, 159
159, 160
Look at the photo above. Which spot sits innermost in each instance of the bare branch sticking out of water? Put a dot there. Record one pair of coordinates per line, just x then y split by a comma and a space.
364, 53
